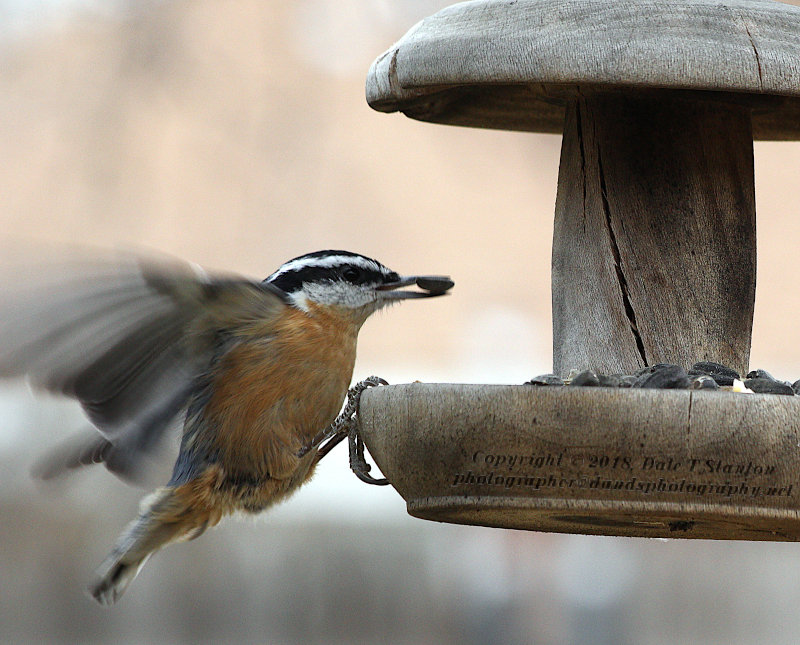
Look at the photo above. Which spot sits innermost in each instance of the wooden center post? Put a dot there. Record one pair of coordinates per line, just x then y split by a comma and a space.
654, 249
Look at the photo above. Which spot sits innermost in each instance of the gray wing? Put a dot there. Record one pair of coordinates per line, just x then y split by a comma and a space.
126, 337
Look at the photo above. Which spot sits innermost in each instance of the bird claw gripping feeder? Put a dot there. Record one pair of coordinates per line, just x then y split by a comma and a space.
654, 259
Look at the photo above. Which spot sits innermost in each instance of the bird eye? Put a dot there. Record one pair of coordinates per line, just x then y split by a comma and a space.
351, 274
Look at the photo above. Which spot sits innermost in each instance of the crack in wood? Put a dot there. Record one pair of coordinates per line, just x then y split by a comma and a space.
579, 127
755, 51
621, 279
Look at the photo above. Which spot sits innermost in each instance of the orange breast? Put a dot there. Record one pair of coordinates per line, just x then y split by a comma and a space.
272, 395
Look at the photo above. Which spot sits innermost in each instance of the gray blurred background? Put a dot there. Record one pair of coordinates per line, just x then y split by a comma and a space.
236, 134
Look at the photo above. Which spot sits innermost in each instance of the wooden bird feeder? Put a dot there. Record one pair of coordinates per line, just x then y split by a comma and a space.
654, 260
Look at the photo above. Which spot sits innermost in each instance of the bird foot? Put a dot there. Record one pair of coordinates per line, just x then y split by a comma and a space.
345, 426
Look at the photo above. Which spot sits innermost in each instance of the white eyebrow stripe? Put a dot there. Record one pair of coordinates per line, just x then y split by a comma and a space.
328, 261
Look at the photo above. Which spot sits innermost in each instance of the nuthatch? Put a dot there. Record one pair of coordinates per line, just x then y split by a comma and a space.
256, 370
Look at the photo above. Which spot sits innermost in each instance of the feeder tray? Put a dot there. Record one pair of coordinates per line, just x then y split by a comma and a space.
610, 461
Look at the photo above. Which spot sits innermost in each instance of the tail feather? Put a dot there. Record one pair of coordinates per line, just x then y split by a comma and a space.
114, 580
163, 519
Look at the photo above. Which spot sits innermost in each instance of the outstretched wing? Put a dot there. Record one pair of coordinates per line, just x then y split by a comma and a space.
125, 336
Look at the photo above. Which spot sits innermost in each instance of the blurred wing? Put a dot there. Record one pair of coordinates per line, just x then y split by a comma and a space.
127, 338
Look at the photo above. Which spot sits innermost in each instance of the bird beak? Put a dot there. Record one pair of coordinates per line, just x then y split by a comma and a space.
431, 285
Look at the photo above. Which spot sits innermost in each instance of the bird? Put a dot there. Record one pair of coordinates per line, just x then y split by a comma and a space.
252, 369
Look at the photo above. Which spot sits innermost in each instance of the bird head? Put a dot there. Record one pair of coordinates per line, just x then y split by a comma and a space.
351, 282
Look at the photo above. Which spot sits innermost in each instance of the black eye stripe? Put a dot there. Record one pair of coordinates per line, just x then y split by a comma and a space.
293, 280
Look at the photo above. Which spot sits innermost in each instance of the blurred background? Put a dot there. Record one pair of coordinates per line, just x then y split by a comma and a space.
236, 134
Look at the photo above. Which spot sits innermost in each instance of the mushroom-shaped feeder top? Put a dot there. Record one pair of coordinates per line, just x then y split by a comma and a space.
654, 261
654, 245
512, 65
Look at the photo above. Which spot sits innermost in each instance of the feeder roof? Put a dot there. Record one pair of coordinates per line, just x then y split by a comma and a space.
512, 64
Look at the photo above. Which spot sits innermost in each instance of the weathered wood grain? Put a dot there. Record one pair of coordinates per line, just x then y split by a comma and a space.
439, 71
652, 463
654, 246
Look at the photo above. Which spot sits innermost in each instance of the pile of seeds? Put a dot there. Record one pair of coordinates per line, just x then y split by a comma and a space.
704, 375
